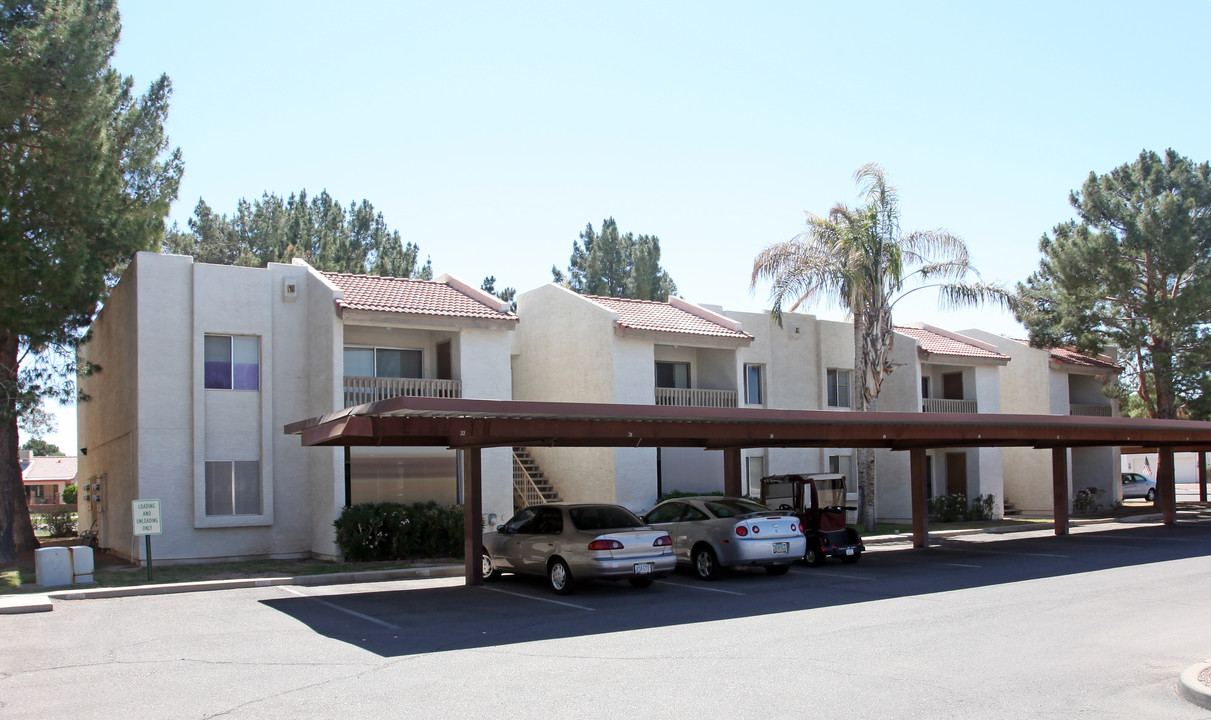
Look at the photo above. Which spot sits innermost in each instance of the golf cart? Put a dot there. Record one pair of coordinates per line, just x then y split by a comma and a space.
819, 501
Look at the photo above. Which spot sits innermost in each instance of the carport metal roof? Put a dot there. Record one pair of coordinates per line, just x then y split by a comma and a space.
474, 424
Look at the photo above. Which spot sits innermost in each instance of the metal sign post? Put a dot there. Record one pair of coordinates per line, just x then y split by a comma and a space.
146, 517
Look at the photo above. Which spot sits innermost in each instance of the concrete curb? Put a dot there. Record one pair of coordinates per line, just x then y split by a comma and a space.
15, 604
19, 604
1193, 689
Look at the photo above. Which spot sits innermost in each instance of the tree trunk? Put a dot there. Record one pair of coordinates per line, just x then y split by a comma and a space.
16, 531
865, 457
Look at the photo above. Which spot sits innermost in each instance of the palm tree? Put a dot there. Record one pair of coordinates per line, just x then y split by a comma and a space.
859, 258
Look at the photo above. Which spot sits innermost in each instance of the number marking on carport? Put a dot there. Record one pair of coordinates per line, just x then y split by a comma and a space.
540, 599
700, 587
347, 611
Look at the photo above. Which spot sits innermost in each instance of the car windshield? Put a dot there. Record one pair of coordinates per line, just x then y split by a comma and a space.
733, 508
603, 517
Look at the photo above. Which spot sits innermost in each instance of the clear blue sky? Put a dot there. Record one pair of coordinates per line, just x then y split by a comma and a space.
491, 133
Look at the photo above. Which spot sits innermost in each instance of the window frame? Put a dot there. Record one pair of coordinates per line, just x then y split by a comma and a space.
233, 478
230, 362
832, 392
751, 369
689, 377
374, 351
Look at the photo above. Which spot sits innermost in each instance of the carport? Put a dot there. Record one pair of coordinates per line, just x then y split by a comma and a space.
471, 425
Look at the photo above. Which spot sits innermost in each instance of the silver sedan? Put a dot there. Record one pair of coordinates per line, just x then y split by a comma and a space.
567, 543
713, 532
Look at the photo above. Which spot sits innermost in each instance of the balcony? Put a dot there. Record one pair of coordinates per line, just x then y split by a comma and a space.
361, 390
1090, 410
938, 405
688, 397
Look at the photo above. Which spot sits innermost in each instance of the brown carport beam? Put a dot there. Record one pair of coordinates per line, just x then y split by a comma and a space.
471, 424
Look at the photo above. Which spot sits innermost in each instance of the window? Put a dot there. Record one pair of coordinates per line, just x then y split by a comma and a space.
673, 375
754, 466
842, 464
232, 362
838, 388
233, 487
382, 362
752, 385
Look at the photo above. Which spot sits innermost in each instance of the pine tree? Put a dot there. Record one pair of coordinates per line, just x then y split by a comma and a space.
86, 180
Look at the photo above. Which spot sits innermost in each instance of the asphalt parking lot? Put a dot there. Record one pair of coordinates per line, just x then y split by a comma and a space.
1096, 624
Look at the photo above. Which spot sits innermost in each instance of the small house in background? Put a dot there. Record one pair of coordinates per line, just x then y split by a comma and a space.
45, 477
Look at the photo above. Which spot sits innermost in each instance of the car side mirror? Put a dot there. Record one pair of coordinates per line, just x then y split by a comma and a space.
500, 528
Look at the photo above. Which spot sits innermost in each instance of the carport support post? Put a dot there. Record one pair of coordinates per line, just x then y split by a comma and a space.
731, 472
920, 516
1202, 476
1059, 488
473, 522
1166, 490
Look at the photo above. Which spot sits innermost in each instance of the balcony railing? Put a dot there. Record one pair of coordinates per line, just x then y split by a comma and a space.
687, 397
938, 405
1090, 410
361, 390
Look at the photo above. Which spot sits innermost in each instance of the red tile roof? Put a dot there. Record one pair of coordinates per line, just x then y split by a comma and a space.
49, 469
414, 297
1072, 357
664, 317
935, 343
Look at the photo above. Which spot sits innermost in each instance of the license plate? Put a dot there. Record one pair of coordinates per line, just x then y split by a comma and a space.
643, 568
849, 551
782, 548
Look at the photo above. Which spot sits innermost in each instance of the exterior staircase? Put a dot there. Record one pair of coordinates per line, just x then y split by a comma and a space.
530, 485
1010, 509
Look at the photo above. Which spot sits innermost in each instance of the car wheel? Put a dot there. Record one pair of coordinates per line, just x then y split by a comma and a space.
851, 559
777, 569
559, 577
813, 557
488, 568
706, 565
1151, 496
642, 582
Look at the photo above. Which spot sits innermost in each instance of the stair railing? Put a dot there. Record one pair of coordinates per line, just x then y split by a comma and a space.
525, 491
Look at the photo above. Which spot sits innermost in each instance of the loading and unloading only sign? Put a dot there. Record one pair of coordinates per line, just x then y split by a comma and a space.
146, 515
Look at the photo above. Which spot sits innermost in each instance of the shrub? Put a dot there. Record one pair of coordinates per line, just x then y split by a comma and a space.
61, 523
954, 507
393, 531
1085, 500
684, 493
69, 494
947, 508
982, 507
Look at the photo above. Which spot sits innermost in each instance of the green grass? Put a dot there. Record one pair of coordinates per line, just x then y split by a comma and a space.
22, 579
906, 529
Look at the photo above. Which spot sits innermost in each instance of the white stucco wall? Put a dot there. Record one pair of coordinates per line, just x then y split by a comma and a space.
563, 351
107, 424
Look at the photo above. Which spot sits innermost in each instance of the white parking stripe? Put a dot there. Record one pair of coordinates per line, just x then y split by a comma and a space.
826, 573
347, 611
700, 587
1002, 552
540, 599
961, 565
